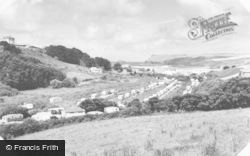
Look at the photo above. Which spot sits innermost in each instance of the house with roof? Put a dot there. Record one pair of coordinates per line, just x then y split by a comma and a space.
8, 39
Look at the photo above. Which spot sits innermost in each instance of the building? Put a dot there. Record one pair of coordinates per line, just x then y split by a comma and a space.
245, 73
124, 72
111, 109
96, 70
42, 116
58, 112
28, 106
55, 99
8, 39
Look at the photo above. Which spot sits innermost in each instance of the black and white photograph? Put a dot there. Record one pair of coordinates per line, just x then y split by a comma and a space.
124, 77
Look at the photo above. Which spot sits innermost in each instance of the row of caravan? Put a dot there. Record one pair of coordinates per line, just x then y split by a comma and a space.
104, 94
151, 86
60, 113
189, 88
168, 88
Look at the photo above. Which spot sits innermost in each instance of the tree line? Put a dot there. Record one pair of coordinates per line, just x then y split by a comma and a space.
76, 56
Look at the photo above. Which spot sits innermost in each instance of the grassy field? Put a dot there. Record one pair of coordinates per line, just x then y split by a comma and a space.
217, 133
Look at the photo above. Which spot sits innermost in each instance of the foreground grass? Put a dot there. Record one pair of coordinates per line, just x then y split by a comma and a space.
218, 133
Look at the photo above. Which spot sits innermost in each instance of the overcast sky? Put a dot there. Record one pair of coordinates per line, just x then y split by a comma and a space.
130, 30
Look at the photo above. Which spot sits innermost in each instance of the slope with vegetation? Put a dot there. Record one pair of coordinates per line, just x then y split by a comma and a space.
76, 56
22, 72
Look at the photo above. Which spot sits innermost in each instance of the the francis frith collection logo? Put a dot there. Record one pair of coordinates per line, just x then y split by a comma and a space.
211, 28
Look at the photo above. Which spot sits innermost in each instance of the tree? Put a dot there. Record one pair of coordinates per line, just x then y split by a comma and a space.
118, 67
152, 102
101, 62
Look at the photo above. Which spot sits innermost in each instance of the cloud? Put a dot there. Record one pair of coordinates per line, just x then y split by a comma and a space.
115, 29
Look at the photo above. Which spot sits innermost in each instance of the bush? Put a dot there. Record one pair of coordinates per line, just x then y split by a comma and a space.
68, 83
153, 101
226, 67
75, 80
56, 83
10, 47
7, 91
96, 104
118, 67
65, 83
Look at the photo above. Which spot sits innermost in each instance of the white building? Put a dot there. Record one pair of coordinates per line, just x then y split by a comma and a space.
28, 106
42, 116
111, 109
58, 112
125, 66
112, 91
55, 99
127, 95
93, 96
96, 70
120, 97
121, 105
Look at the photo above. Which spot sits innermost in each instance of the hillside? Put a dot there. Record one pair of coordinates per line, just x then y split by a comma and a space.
177, 134
71, 70
23, 72
213, 60
224, 73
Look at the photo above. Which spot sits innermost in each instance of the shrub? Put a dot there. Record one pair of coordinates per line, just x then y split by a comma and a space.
68, 83
32, 112
7, 91
65, 83
117, 66
56, 83
75, 80
152, 102
226, 67
96, 104
10, 47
